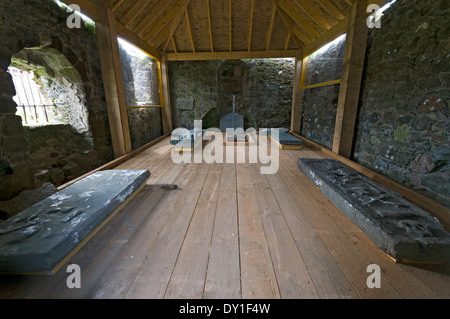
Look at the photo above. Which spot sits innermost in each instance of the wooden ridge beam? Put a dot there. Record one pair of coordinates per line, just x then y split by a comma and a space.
181, 56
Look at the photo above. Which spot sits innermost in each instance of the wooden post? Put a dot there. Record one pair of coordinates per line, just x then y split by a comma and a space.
113, 81
355, 50
297, 95
166, 110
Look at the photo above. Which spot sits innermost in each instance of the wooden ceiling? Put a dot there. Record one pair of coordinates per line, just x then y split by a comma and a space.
220, 26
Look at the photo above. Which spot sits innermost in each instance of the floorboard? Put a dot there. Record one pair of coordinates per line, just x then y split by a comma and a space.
226, 231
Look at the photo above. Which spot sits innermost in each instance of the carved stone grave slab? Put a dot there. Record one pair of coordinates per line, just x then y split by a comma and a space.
401, 229
37, 239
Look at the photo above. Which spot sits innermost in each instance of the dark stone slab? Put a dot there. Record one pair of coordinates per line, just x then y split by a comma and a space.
284, 138
187, 139
401, 229
231, 121
40, 237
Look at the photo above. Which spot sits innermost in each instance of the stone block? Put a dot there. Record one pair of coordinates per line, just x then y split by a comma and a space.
401, 229
185, 103
14, 144
40, 237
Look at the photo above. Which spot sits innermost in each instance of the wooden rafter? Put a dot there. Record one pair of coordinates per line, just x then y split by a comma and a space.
269, 33
114, 8
288, 23
162, 23
175, 24
134, 11
189, 29
313, 14
297, 35
173, 44
209, 25
156, 10
331, 8
288, 40
292, 11
231, 25
252, 12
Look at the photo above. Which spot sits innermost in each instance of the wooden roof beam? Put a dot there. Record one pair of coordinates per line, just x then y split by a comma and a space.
138, 7
291, 10
331, 8
231, 25
313, 14
114, 8
288, 24
208, 10
269, 32
250, 32
231, 55
288, 40
162, 23
189, 29
175, 24
156, 10
297, 35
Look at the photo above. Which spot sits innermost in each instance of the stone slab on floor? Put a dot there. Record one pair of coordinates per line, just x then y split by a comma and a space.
37, 239
403, 230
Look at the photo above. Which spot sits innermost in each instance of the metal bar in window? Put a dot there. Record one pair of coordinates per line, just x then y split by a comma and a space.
24, 114
35, 113
45, 112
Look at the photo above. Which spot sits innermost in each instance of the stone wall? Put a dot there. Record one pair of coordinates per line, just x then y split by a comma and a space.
202, 90
141, 84
145, 125
30, 27
319, 104
403, 128
59, 154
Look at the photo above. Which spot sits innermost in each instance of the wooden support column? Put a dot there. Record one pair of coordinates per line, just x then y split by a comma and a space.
113, 82
355, 50
166, 110
297, 95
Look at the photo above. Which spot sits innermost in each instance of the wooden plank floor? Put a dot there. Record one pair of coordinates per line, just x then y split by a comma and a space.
229, 232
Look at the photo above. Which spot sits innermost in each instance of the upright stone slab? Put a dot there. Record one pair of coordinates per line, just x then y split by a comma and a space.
40, 237
401, 229
231, 121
